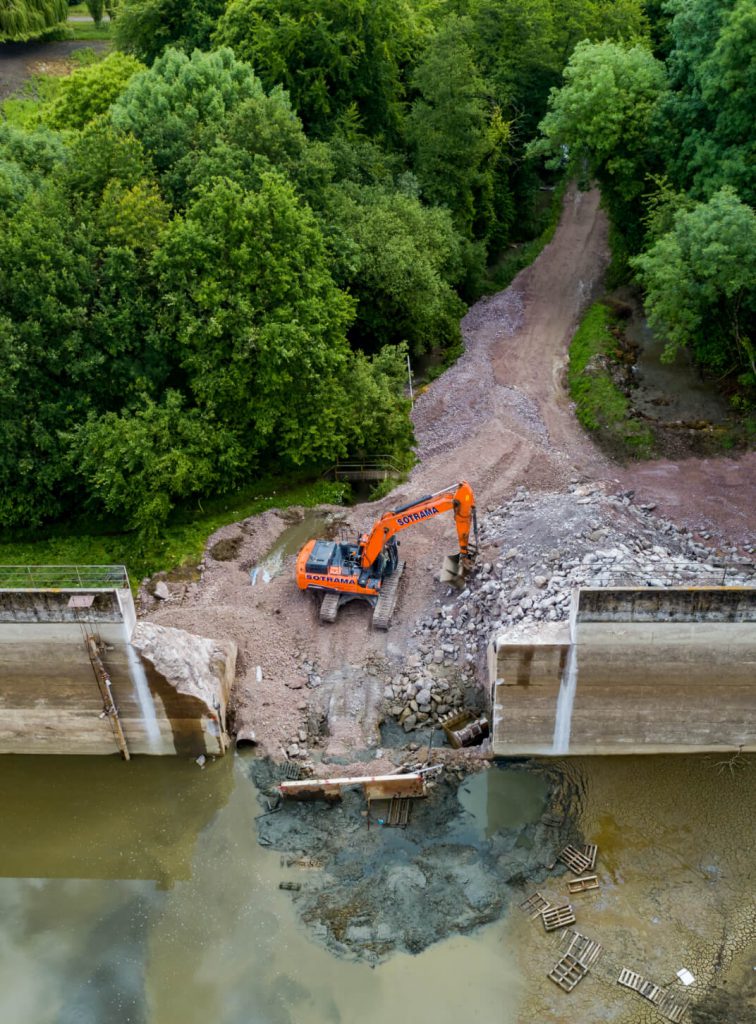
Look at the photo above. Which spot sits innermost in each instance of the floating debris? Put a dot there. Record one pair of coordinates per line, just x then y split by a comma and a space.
290, 886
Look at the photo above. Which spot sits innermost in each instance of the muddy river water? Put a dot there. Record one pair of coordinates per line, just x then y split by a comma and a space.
138, 893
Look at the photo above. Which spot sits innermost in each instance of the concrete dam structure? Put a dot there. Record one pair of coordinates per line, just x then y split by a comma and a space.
636, 670
79, 675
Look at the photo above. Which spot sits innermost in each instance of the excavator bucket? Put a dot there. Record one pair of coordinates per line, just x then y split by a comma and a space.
454, 570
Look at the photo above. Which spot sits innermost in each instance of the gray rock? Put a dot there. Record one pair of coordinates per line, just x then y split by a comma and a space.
162, 591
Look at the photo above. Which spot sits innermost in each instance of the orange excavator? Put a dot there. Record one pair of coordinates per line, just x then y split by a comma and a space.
371, 569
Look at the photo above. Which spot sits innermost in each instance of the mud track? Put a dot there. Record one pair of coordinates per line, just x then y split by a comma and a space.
500, 418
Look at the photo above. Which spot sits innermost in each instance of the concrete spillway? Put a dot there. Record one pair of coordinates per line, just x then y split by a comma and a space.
79, 675
635, 671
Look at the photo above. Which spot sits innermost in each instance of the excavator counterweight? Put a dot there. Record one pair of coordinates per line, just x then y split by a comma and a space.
370, 569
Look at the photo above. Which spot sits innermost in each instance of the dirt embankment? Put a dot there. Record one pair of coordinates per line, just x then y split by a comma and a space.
499, 418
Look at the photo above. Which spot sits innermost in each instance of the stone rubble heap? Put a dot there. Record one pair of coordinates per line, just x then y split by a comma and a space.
535, 550
419, 696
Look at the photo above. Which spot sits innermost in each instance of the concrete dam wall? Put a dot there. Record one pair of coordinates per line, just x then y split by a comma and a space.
636, 671
79, 675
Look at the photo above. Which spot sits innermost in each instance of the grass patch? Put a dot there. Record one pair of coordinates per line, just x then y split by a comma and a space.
501, 273
87, 30
600, 405
182, 540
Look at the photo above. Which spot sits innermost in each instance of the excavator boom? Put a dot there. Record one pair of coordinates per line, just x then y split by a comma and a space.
460, 499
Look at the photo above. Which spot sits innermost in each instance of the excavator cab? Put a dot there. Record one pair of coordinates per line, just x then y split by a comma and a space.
371, 568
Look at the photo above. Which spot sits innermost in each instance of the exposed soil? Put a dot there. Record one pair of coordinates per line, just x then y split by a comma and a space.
501, 418
18, 61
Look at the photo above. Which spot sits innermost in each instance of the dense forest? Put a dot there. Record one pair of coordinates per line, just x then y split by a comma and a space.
220, 242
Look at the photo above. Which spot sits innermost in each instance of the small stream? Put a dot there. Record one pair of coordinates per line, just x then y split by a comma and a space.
670, 391
289, 541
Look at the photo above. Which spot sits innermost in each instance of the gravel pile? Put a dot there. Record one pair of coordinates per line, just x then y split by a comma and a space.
456, 404
535, 550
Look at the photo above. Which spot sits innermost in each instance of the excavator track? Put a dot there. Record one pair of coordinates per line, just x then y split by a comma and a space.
386, 603
329, 607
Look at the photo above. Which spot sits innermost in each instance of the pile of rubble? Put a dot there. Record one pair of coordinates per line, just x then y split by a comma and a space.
419, 697
535, 550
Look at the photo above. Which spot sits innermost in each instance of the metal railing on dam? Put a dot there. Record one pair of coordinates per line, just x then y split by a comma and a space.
63, 577
79, 675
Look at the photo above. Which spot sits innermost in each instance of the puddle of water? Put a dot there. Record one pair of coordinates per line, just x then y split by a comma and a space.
288, 542
499, 799
138, 893
670, 391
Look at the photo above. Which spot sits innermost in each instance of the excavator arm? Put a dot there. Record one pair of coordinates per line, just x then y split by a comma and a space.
460, 499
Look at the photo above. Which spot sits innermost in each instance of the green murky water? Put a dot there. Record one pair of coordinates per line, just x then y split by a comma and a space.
137, 894
494, 802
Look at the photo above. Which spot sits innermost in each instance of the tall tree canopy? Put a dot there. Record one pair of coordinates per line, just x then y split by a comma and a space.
146, 28
27, 19
330, 55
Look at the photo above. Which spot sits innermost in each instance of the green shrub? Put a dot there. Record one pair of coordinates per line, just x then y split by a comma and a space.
600, 406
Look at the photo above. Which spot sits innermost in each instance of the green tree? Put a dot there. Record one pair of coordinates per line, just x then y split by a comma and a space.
457, 134
602, 117
96, 10
249, 304
707, 116
146, 28
699, 283
139, 463
27, 19
329, 55
46, 364
176, 106
400, 260
90, 91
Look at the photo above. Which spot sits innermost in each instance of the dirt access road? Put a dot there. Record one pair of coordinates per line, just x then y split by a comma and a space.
501, 418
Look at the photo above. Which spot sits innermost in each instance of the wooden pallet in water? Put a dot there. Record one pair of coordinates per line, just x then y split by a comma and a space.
630, 979
577, 862
535, 905
591, 852
639, 984
583, 884
586, 951
398, 812
671, 1007
557, 917
650, 991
